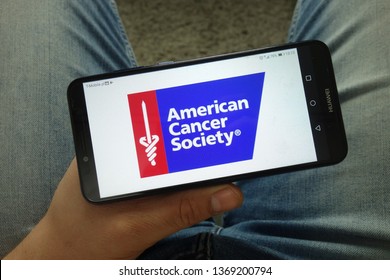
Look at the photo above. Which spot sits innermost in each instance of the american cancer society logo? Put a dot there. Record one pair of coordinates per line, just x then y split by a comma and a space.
197, 125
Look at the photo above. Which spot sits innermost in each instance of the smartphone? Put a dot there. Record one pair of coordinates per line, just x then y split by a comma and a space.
206, 121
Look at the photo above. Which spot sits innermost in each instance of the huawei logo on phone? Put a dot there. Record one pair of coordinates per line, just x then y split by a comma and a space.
329, 100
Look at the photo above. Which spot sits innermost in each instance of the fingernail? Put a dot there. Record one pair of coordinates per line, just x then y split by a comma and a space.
226, 199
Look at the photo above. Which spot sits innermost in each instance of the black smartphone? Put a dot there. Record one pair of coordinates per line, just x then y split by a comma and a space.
206, 121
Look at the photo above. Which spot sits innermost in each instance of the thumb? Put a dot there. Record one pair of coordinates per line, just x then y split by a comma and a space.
180, 210
198, 205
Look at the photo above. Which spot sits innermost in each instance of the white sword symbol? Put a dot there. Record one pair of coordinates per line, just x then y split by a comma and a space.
149, 141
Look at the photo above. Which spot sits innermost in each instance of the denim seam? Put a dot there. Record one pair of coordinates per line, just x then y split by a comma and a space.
294, 20
129, 49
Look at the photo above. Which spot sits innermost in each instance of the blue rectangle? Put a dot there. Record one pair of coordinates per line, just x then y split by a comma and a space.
210, 123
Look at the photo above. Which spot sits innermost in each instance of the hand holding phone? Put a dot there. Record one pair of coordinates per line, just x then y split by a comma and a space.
206, 121
72, 228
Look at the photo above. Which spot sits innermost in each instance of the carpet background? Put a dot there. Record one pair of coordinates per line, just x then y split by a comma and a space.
165, 30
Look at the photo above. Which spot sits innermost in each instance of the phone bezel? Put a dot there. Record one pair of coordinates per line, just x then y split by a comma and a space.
330, 119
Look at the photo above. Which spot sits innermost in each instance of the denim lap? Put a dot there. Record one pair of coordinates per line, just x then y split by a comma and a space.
340, 211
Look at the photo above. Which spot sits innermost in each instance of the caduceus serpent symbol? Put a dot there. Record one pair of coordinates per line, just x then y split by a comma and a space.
149, 141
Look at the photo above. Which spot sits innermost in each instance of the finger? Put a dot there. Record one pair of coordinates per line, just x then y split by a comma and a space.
171, 213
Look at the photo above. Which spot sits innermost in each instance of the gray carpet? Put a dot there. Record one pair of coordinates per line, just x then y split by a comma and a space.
162, 30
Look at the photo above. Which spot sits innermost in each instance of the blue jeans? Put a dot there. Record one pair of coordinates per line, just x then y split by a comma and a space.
337, 212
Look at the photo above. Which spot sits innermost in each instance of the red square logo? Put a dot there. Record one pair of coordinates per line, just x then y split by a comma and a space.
148, 135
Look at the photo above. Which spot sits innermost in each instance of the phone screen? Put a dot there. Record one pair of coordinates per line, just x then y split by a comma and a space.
201, 121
